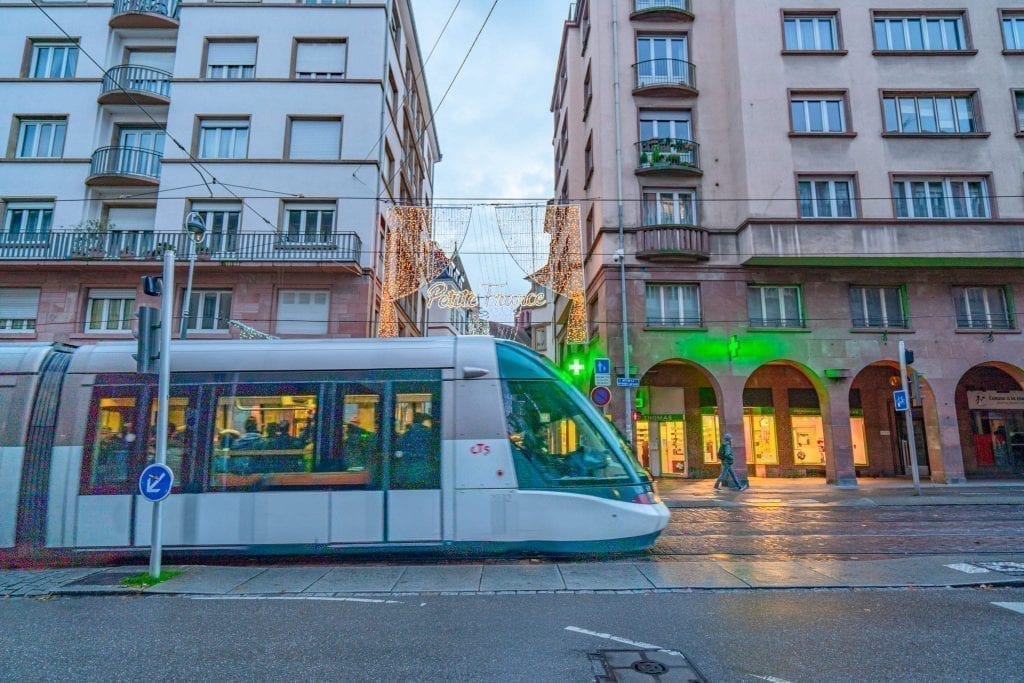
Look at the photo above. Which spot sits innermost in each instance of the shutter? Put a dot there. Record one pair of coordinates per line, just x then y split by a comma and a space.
302, 312
125, 218
156, 60
315, 140
112, 293
243, 54
320, 58
19, 304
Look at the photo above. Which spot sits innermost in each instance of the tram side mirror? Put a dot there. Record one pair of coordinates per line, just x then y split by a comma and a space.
474, 373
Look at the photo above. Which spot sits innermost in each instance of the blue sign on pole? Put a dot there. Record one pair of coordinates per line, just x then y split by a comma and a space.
628, 382
899, 398
603, 366
155, 482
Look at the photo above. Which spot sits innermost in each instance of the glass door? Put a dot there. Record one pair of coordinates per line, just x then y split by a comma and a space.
413, 473
661, 59
140, 151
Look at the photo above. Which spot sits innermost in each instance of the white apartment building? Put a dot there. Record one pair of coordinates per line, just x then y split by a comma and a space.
800, 185
290, 127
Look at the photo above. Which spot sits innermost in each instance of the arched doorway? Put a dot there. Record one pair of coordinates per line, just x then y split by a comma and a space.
990, 411
677, 426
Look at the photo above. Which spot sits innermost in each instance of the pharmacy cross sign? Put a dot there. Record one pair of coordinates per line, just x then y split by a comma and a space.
576, 366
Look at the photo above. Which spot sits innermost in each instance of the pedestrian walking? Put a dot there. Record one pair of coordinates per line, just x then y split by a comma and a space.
726, 458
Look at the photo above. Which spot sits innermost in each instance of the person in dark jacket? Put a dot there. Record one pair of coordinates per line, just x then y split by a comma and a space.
725, 456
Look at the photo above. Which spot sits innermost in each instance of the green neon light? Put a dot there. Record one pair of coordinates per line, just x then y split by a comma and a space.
576, 367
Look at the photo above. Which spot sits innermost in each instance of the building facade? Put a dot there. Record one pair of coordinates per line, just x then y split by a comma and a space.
797, 188
289, 127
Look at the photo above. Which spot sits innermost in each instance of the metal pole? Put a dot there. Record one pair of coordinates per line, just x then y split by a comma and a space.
163, 402
908, 413
183, 332
627, 393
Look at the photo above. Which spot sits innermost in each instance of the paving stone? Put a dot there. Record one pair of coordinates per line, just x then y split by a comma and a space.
778, 574
282, 580
207, 580
440, 578
689, 575
603, 576
521, 577
358, 580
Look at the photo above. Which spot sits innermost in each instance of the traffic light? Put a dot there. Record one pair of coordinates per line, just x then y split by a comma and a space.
908, 356
149, 340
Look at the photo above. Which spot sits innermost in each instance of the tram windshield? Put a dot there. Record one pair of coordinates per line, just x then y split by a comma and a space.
558, 438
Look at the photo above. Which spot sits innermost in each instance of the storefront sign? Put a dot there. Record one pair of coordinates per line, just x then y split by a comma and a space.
668, 417
995, 400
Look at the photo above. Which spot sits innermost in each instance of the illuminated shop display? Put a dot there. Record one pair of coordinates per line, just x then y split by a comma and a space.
759, 431
858, 436
808, 439
711, 434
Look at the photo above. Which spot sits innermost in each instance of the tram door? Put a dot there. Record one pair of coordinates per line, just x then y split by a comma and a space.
413, 472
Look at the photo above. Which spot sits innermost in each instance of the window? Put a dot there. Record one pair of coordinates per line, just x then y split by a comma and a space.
941, 198
396, 31
231, 59
826, 198
588, 93
877, 307
53, 60
919, 33
308, 224
1013, 31
110, 310
1018, 103
222, 223
982, 308
27, 222
314, 139
818, 115
930, 114
18, 310
662, 60
40, 138
389, 164
208, 311
774, 306
673, 305
319, 61
220, 139
811, 33
673, 124
588, 161
670, 207
302, 312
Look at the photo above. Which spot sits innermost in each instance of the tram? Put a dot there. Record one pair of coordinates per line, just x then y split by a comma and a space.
458, 443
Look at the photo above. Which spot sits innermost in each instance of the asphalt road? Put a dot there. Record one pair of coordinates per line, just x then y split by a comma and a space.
891, 635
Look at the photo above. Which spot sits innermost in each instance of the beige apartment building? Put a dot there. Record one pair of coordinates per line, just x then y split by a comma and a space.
798, 186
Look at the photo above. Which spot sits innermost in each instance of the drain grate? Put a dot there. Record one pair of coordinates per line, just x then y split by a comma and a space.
625, 665
1011, 568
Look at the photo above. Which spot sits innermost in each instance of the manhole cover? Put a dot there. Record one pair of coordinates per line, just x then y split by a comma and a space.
633, 665
1011, 568
105, 578
650, 668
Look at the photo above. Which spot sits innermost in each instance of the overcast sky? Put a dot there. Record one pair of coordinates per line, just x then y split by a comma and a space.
495, 126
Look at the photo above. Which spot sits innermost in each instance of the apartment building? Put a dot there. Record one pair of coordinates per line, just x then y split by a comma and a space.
289, 127
803, 184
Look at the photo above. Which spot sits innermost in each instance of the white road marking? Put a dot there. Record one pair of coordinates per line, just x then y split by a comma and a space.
966, 568
1012, 606
293, 597
625, 641
770, 679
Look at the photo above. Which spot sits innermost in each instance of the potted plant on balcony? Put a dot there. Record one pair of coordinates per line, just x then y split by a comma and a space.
158, 250
655, 155
203, 253
126, 254
90, 238
645, 160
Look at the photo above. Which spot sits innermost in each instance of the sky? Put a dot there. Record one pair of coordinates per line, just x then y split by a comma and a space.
495, 126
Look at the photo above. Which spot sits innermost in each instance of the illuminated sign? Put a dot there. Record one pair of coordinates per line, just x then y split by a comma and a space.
443, 296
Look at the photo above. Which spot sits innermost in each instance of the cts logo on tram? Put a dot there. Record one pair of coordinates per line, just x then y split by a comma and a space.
480, 449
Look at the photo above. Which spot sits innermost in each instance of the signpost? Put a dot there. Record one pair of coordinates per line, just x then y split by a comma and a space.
601, 396
627, 382
908, 414
155, 482
162, 408
603, 372
900, 400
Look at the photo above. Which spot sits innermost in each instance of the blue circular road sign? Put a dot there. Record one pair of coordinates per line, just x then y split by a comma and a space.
601, 396
155, 482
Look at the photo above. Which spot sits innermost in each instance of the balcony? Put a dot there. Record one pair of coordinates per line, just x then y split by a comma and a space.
148, 245
881, 243
124, 166
665, 78
668, 157
662, 10
135, 84
145, 14
672, 243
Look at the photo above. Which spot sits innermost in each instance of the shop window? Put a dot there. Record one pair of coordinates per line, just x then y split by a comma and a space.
759, 427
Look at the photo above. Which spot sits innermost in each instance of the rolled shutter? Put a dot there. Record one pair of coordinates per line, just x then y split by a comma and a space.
236, 54
19, 304
315, 139
322, 58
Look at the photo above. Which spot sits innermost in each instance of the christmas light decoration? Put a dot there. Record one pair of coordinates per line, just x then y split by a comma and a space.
246, 332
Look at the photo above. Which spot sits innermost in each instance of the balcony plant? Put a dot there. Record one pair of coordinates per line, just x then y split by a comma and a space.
89, 239
203, 252
158, 251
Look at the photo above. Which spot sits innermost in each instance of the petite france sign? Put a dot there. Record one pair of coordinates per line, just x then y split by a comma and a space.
155, 482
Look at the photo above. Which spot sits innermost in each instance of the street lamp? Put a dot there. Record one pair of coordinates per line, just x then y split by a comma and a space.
195, 225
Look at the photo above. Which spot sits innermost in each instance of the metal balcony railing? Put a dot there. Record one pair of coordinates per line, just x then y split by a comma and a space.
655, 5
665, 73
167, 8
139, 79
146, 245
126, 161
669, 154
687, 242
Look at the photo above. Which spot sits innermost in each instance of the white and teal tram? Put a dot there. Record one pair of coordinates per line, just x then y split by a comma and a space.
315, 446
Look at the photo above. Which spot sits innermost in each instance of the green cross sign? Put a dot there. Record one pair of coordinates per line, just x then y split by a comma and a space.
576, 366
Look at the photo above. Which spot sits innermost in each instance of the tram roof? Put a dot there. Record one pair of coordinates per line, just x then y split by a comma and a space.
22, 358
286, 354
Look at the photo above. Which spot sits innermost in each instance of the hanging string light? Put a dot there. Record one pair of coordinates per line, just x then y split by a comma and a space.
246, 332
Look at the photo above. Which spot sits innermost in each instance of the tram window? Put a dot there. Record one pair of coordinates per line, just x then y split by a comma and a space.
416, 461
114, 445
356, 446
179, 436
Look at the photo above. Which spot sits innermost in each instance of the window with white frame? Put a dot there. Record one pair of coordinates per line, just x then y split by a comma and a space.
40, 138
588, 92
110, 310
320, 60
671, 123
53, 60
1013, 31
662, 59
19, 308
774, 306
663, 206
208, 310
27, 222
982, 308
222, 225
302, 312
223, 139
818, 114
826, 197
928, 114
314, 139
880, 307
673, 305
1018, 103
308, 223
811, 33
231, 59
920, 33
941, 198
